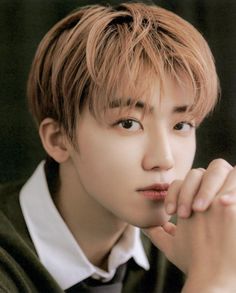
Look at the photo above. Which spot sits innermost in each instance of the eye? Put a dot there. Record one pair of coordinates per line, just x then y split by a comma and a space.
129, 124
183, 126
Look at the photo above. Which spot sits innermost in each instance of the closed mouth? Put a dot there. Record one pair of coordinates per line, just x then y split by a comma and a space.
155, 191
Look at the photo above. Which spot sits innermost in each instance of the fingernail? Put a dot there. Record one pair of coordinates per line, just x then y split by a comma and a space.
182, 211
227, 199
170, 208
199, 204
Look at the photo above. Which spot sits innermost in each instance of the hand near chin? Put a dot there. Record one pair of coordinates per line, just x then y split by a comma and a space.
203, 243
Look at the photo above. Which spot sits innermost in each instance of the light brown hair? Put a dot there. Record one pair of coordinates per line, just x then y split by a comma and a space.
99, 52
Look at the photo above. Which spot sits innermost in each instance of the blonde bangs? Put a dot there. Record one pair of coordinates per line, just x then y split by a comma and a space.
99, 55
136, 51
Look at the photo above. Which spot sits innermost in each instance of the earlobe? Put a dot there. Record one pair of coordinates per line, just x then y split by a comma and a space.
53, 140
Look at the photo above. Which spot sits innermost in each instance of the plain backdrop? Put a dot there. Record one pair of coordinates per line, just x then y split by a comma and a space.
23, 23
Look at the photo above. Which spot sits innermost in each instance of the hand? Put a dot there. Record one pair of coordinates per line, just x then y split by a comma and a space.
199, 188
203, 245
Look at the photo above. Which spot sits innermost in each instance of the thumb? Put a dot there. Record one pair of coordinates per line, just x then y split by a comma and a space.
161, 239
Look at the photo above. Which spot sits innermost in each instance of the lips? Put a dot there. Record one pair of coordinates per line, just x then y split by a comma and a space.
155, 191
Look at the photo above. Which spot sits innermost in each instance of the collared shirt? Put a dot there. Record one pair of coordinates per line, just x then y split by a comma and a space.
57, 248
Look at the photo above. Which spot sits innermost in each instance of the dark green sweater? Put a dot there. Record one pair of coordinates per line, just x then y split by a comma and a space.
21, 270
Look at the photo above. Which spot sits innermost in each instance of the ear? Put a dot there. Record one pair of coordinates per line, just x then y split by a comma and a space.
54, 140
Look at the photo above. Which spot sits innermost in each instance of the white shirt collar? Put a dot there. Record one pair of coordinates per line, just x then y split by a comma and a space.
56, 247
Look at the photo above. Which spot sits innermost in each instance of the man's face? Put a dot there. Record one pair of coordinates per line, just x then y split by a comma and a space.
129, 153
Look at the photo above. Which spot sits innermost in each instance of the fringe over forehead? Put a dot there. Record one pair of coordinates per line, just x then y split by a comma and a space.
100, 53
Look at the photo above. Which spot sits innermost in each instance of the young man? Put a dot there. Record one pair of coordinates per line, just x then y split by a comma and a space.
117, 94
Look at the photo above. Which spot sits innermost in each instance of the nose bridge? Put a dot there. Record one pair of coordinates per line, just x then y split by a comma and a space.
159, 150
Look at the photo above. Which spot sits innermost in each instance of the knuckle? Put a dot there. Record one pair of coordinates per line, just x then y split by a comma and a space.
220, 163
201, 169
195, 174
225, 212
197, 171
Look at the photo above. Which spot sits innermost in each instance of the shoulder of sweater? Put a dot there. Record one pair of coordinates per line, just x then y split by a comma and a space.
19, 263
11, 187
9, 196
12, 223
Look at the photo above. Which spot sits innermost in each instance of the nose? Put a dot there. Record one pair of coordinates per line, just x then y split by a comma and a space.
158, 154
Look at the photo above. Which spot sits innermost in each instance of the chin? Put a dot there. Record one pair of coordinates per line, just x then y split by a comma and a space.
150, 222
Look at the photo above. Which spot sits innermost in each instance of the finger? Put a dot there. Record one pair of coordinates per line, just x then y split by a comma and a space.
230, 182
227, 192
161, 239
169, 228
228, 199
189, 189
212, 181
172, 197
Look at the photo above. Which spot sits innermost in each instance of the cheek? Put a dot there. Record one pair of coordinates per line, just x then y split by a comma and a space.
108, 162
184, 158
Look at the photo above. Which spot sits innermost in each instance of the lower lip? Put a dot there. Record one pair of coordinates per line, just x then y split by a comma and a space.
154, 194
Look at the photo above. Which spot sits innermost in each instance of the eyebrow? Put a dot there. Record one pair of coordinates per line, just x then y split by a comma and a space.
141, 105
181, 109
118, 103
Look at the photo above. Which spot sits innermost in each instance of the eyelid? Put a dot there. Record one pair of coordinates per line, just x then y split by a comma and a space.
118, 121
190, 124
125, 119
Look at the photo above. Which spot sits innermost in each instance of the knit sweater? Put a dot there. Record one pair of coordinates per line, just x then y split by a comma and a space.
22, 272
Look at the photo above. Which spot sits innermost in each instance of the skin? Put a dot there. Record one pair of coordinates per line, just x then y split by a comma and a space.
98, 195
203, 245
123, 157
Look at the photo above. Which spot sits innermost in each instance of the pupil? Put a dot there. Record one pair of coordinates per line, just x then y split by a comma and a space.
127, 124
179, 126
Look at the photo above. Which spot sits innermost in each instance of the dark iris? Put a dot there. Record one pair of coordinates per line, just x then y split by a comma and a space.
179, 126
127, 124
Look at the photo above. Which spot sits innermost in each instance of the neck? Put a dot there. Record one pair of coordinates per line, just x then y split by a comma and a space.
95, 229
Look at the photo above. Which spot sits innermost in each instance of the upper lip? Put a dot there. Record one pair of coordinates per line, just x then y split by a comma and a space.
156, 186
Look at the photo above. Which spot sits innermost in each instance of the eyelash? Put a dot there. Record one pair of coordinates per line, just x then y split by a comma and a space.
125, 120
190, 124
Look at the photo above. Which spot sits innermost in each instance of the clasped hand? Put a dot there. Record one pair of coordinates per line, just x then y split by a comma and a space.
203, 242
